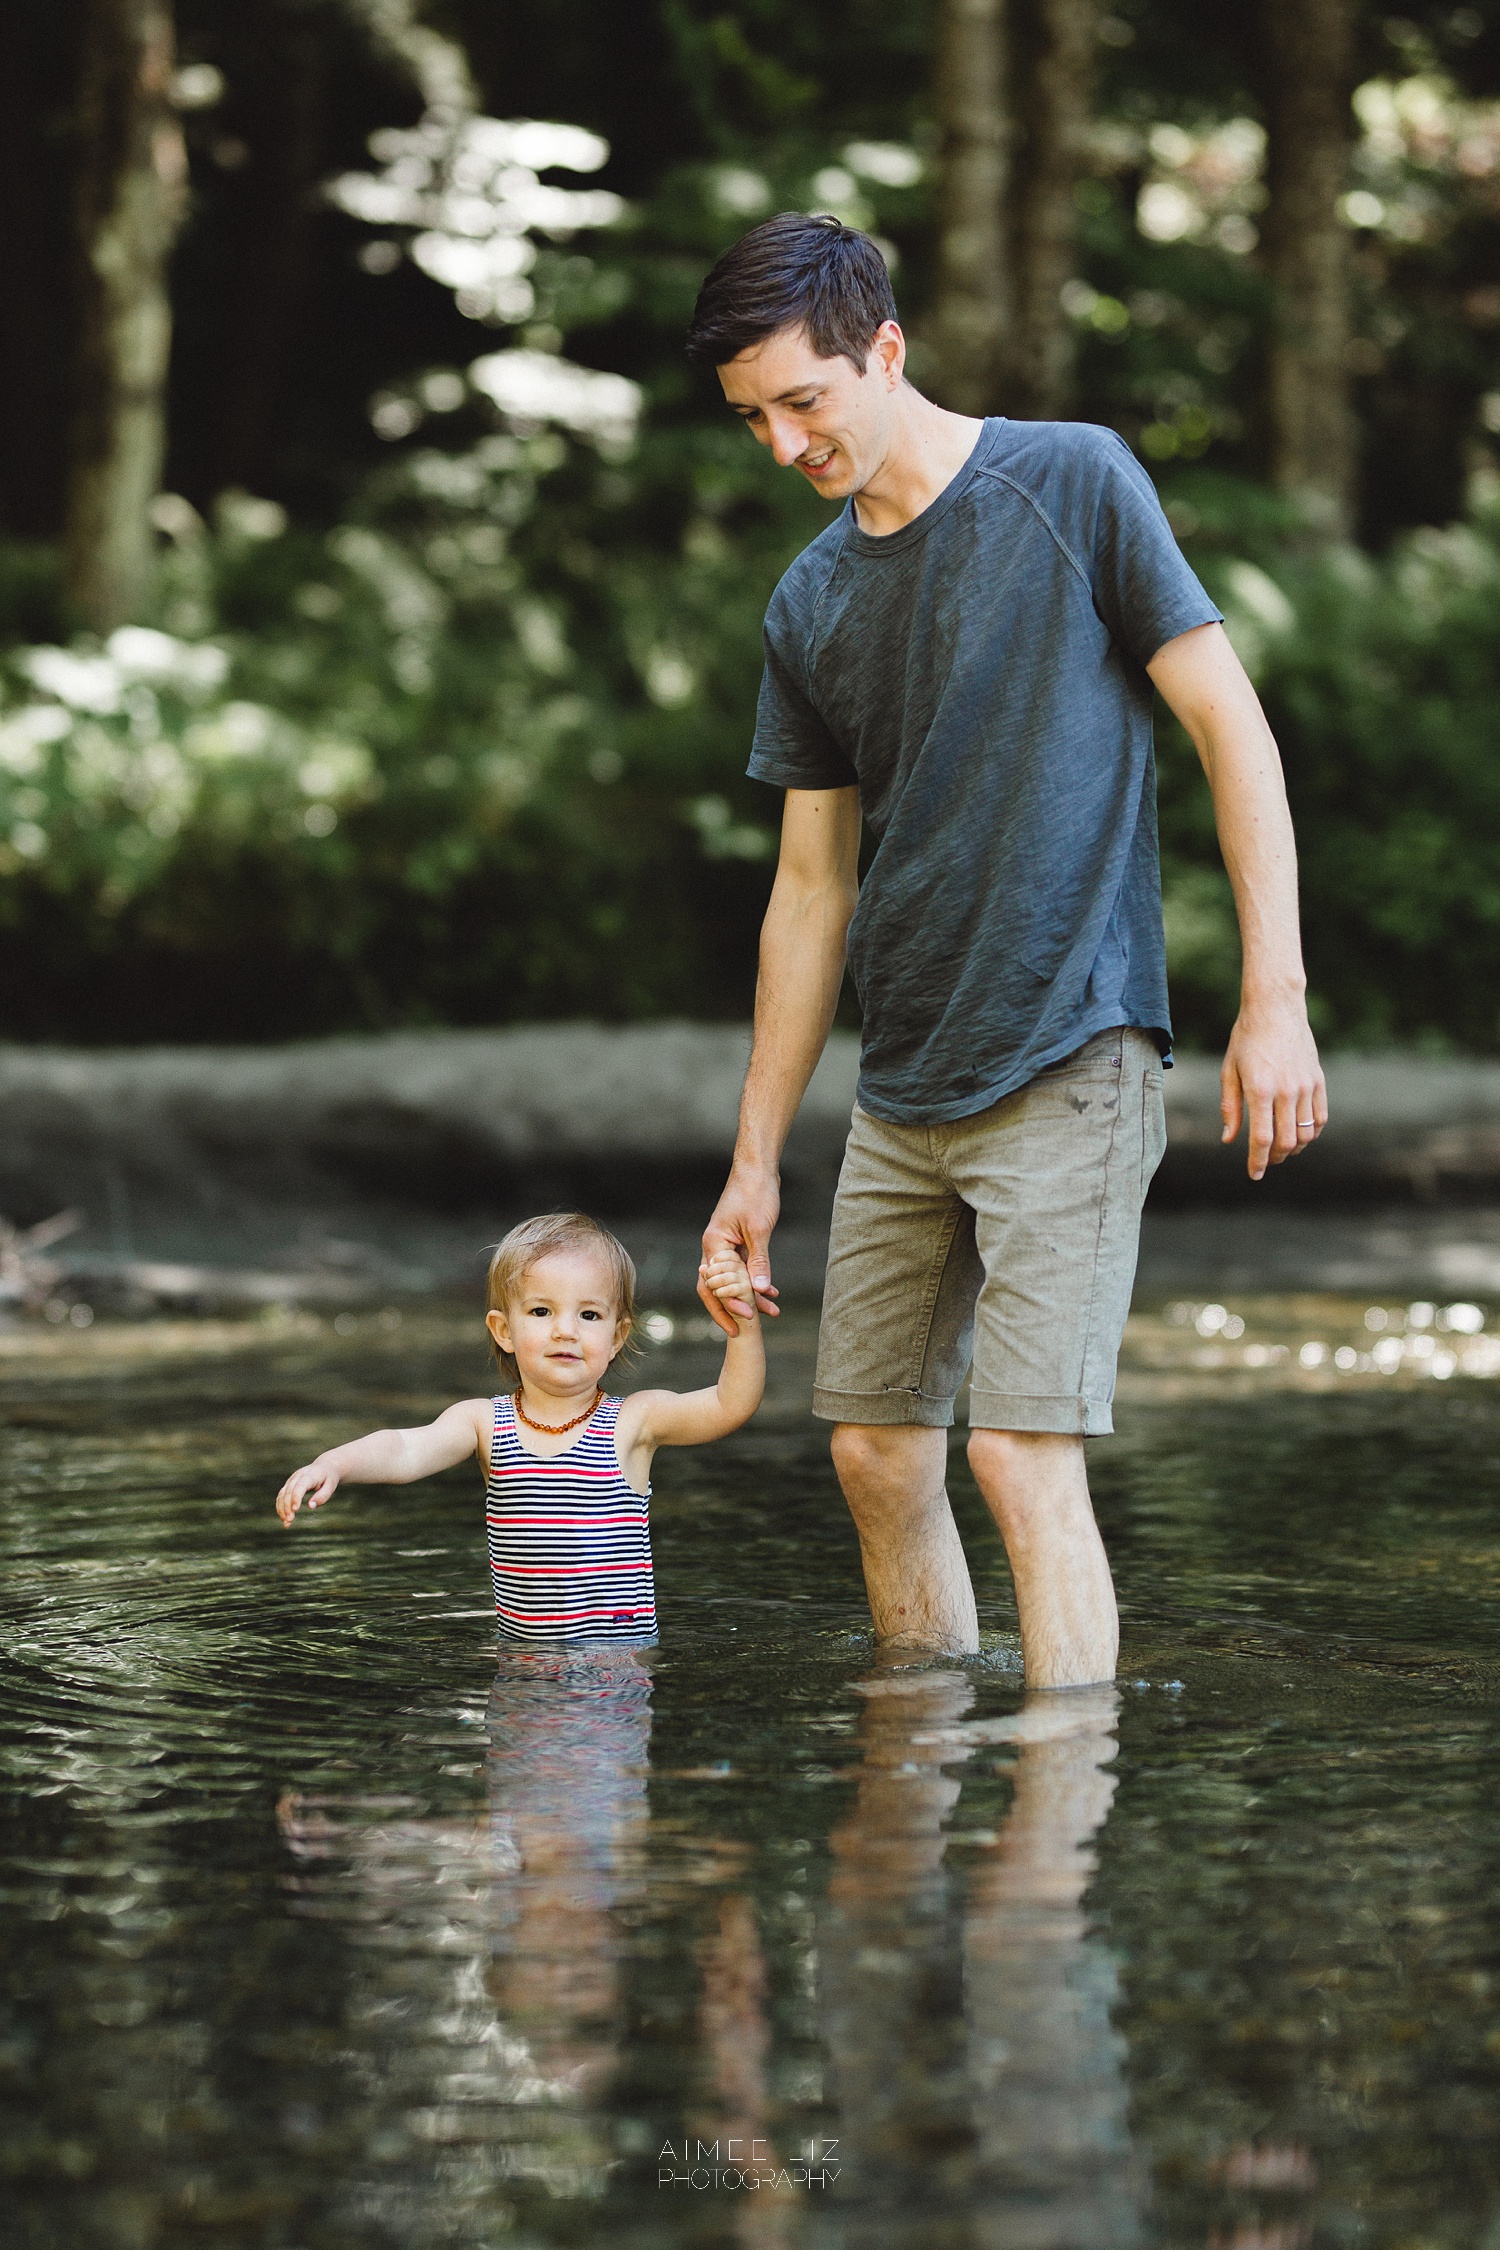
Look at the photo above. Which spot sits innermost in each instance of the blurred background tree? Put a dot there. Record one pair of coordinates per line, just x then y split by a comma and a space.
420, 690
130, 175
1309, 79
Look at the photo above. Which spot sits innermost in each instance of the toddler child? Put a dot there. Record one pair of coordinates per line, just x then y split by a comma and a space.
568, 1470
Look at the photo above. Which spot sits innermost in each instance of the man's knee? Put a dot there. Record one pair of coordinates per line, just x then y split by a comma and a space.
1020, 1471
859, 1452
888, 1466
996, 1448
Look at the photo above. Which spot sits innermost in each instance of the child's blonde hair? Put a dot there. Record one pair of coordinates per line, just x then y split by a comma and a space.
535, 1239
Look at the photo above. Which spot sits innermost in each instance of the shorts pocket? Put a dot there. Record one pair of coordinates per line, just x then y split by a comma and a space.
1104, 1052
1153, 1125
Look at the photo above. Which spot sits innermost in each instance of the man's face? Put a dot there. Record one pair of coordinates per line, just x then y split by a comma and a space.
819, 416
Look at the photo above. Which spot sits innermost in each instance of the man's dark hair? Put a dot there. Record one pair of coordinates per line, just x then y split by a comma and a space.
793, 272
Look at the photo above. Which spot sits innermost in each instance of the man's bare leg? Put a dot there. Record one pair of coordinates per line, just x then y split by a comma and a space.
894, 1479
1037, 1490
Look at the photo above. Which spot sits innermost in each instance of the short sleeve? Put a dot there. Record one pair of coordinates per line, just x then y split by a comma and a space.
1143, 587
793, 747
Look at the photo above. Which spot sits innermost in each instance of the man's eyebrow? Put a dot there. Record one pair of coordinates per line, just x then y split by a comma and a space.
798, 390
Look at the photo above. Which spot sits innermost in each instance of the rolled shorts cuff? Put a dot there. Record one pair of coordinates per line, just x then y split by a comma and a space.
1062, 1416
885, 1408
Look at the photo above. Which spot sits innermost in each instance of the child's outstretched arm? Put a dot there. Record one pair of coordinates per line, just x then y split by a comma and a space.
694, 1417
390, 1457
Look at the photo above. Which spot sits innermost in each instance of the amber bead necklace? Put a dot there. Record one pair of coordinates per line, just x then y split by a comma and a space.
554, 1429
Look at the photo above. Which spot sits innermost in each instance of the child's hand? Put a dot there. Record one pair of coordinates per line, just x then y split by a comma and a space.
314, 1484
727, 1277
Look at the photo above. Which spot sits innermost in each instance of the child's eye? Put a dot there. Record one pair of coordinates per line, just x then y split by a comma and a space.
593, 1316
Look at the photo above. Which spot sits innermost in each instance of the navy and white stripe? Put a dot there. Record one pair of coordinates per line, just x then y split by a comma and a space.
569, 1539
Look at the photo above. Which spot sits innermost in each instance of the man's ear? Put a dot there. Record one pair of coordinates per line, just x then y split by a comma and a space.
888, 352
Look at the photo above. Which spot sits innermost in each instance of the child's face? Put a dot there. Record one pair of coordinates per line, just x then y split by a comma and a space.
564, 1326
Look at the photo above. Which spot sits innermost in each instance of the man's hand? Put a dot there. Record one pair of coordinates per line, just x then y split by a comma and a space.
742, 1226
1272, 1078
726, 1278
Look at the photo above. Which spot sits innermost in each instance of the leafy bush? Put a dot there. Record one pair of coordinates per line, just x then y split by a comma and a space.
477, 752
477, 755
1381, 680
465, 758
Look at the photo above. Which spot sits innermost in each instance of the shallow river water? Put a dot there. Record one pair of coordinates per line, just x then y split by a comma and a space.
320, 1932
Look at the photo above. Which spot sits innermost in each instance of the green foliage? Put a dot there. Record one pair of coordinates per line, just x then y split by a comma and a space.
1381, 680
475, 754
1171, 309
463, 740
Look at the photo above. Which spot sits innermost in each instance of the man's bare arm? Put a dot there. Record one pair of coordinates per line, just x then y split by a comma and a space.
1271, 1071
802, 944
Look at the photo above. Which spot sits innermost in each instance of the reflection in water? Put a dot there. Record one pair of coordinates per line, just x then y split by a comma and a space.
568, 1736
890, 1965
491, 2014
1050, 2095
975, 2081
392, 2022
736, 2039
975, 2065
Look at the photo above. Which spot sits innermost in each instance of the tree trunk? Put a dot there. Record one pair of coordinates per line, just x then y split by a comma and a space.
1054, 84
132, 171
1309, 80
970, 317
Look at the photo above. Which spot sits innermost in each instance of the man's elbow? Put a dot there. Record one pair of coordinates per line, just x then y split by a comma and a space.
822, 896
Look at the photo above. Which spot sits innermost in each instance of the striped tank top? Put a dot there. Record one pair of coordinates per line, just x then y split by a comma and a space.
569, 1539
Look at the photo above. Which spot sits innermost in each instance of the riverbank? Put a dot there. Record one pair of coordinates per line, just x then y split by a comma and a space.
341, 1170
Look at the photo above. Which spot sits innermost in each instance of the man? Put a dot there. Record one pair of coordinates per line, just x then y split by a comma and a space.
964, 663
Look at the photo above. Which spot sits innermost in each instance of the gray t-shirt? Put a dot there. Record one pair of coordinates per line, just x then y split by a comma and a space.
980, 676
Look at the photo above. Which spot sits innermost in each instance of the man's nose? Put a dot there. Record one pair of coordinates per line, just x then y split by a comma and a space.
788, 441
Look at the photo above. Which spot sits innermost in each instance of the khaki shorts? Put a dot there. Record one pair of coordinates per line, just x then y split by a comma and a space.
1008, 1238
